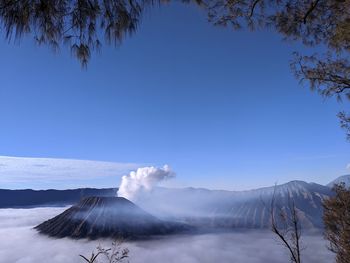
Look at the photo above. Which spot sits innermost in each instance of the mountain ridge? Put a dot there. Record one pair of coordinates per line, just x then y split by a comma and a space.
202, 207
239, 209
341, 179
51, 197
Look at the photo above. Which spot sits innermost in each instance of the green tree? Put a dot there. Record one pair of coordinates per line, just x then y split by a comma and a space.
322, 24
77, 23
337, 223
82, 24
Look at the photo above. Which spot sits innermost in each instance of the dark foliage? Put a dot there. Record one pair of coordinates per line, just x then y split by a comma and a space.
110, 255
81, 24
337, 223
286, 225
77, 23
321, 23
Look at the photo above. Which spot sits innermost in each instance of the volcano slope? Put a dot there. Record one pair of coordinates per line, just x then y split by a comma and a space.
108, 217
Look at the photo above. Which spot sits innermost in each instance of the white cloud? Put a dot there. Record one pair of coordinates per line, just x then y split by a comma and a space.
21, 244
348, 166
143, 180
29, 170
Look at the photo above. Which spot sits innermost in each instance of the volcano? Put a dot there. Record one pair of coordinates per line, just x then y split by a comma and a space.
107, 217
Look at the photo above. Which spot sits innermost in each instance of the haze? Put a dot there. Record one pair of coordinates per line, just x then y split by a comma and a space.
24, 245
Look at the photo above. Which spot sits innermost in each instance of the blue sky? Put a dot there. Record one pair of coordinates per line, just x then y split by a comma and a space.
222, 108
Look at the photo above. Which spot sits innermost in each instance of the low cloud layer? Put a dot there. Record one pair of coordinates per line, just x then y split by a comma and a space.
143, 180
17, 171
21, 244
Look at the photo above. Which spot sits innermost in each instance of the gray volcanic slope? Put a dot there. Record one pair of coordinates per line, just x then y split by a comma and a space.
241, 209
114, 217
254, 210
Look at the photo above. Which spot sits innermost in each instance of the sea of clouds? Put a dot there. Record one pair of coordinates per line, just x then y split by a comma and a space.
19, 243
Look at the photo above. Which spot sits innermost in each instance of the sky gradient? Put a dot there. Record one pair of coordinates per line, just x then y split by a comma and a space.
222, 108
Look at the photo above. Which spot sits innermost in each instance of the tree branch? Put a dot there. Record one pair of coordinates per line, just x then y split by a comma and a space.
253, 8
310, 10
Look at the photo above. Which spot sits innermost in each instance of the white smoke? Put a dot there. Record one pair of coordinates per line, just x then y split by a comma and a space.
143, 180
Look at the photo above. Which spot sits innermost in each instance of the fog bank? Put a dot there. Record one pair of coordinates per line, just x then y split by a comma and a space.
19, 243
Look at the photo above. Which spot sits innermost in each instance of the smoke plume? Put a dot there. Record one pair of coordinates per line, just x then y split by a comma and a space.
143, 180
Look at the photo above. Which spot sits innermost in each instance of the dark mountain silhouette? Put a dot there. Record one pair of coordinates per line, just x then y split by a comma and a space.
102, 217
34, 198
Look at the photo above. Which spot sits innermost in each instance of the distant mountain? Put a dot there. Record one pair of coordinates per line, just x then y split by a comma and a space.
342, 179
114, 217
241, 209
254, 210
197, 206
33, 198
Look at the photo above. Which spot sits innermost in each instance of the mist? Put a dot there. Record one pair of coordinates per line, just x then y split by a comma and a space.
20, 243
